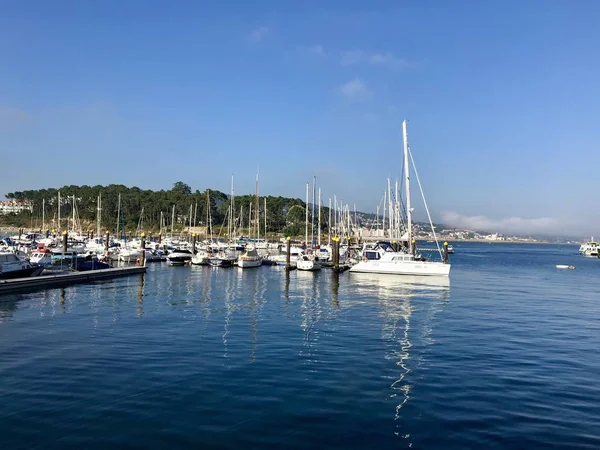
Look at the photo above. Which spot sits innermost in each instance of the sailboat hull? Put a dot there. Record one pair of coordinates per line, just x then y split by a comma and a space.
247, 263
422, 268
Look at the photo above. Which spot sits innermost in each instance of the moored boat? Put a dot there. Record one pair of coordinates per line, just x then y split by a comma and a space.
308, 264
401, 258
11, 266
179, 257
250, 258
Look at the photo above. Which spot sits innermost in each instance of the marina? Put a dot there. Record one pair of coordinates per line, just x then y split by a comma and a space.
343, 225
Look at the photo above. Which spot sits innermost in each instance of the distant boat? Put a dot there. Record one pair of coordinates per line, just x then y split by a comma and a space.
565, 266
590, 248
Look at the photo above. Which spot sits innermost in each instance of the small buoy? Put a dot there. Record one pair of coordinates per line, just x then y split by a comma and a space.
565, 266
137, 261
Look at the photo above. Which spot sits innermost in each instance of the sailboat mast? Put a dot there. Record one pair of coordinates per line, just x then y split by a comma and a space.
118, 215
407, 182
319, 221
58, 220
73, 224
232, 218
306, 218
329, 224
207, 212
98, 216
44, 214
265, 213
335, 213
256, 212
312, 218
172, 221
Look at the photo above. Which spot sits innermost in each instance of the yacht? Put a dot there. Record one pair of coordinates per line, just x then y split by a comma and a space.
308, 264
179, 257
223, 260
401, 260
11, 266
384, 259
200, 258
250, 258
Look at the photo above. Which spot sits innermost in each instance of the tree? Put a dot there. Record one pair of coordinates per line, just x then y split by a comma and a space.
181, 188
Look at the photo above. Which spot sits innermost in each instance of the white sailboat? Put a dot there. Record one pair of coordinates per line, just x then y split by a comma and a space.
251, 258
385, 259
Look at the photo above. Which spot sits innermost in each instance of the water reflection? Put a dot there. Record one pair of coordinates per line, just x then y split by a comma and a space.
399, 298
140, 297
335, 289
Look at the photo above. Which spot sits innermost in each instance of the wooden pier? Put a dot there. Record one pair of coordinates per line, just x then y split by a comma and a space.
66, 279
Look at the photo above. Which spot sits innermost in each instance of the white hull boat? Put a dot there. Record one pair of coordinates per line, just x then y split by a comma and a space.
310, 265
250, 258
391, 260
408, 267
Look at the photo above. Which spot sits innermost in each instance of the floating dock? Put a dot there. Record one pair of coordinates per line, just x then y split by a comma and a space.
66, 279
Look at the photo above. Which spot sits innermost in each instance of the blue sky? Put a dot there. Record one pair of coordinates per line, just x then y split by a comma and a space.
502, 101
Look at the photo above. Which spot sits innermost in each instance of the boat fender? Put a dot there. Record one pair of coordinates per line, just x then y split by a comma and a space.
137, 261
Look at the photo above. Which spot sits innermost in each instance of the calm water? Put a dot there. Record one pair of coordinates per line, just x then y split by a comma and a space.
504, 356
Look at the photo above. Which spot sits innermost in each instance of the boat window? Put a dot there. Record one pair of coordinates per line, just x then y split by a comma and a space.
372, 255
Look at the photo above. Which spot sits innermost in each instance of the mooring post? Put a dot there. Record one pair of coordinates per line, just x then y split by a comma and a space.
47, 234
159, 238
336, 253
143, 253
288, 253
65, 237
20, 233
193, 243
107, 243
413, 247
445, 259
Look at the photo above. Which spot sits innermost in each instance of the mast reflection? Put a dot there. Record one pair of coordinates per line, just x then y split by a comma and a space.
399, 298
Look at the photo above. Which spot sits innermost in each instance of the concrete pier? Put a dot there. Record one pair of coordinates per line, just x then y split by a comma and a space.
66, 279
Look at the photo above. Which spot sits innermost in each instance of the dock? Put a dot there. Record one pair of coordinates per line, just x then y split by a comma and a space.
66, 279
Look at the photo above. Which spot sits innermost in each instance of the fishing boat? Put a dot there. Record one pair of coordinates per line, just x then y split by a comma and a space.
565, 266
402, 259
11, 266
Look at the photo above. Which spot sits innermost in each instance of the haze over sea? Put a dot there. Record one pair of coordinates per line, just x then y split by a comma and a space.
505, 355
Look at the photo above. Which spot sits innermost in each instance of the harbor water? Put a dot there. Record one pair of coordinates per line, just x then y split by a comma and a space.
503, 355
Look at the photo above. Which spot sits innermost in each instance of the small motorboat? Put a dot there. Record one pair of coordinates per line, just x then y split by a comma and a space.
179, 257
565, 266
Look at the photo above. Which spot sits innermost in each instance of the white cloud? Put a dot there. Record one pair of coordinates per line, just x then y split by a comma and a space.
385, 59
355, 90
259, 34
317, 50
512, 225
